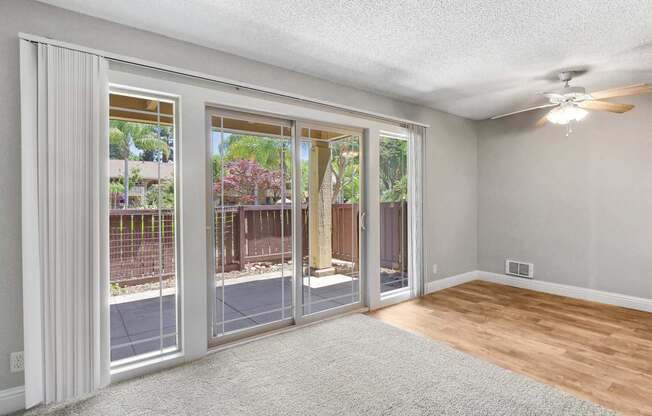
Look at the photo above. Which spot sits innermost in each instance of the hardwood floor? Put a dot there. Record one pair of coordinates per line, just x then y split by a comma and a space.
597, 352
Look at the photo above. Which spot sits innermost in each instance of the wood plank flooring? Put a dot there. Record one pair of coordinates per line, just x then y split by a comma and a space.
598, 352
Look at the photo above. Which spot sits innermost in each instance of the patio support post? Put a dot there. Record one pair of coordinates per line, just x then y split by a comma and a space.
320, 200
242, 244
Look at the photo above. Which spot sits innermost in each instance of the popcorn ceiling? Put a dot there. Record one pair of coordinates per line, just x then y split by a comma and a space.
470, 58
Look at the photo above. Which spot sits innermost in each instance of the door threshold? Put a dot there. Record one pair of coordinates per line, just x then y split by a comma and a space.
272, 332
395, 296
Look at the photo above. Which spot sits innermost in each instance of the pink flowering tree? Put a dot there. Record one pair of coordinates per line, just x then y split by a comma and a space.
245, 181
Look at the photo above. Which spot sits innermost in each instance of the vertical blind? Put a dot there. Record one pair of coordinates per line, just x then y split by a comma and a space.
64, 104
416, 138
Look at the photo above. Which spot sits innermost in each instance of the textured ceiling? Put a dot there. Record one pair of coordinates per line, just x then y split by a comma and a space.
470, 58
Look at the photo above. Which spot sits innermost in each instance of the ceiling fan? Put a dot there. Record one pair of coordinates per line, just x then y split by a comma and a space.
571, 103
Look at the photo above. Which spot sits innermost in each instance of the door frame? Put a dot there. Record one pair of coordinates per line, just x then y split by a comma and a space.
375, 298
297, 317
174, 99
391, 297
195, 96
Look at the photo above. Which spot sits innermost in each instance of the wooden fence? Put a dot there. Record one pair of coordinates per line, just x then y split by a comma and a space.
263, 227
393, 235
134, 253
251, 233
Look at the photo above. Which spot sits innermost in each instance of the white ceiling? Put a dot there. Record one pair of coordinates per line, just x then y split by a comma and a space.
470, 58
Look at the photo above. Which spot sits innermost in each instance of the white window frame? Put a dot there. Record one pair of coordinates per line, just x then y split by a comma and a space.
119, 366
391, 297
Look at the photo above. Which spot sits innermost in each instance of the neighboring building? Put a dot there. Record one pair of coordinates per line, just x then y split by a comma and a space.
148, 172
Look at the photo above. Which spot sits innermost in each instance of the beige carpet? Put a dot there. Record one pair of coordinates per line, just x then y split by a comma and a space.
355, 365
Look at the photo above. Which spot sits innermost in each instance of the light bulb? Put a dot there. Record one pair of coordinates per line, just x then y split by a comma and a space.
566, 113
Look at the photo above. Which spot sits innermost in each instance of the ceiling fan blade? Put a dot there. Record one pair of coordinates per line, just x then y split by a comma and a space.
622, 91
543, 120
524, 110
605, 106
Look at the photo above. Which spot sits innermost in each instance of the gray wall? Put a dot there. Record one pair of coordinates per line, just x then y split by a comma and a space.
450, 184
578, 207
450, 196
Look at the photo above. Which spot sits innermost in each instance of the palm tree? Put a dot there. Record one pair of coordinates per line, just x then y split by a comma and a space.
115, 189
346, 169
125, 135
266, 151
119, 143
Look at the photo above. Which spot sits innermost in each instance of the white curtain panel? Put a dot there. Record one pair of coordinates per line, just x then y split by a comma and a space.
64, 106
416, 138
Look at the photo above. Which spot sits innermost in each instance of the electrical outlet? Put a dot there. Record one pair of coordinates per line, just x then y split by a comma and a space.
16, 362
434, 269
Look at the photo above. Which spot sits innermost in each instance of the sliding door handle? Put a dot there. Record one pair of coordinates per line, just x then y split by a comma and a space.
363, 221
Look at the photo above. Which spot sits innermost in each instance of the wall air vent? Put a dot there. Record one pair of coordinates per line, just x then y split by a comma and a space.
520, 269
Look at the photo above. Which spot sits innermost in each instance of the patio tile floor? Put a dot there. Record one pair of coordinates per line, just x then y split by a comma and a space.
134, 324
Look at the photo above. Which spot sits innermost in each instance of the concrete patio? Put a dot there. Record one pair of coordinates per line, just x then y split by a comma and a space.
135, 324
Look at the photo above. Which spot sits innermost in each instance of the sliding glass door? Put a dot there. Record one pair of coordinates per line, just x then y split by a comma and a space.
284, 210
251, 216
330, 197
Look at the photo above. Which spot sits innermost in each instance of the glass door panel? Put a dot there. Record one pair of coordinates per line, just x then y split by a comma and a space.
393, 180
252, 221
142, 218
330, 199
253, 193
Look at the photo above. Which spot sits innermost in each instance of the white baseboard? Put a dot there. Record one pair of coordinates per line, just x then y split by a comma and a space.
12, 400
575, 292
447, 282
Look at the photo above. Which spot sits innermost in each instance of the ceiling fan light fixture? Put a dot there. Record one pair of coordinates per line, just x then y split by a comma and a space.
566, 113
